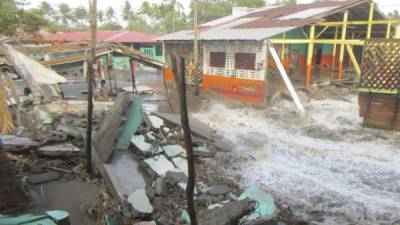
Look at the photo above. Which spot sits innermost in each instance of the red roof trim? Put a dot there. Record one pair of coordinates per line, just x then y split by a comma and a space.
104, 36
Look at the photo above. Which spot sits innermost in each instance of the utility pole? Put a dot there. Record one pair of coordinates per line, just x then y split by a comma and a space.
196, 50
181, 85
90, 77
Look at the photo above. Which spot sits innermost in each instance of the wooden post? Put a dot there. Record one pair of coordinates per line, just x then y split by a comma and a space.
334, 49
341, 56
109, 73
181, 85
351, 46
354, 60
370, 19
266, 77
310, 53
90, 77
389, 31
283, 48
196, 51
134, 90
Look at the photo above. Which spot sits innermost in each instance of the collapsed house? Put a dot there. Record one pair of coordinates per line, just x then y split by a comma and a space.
316, 42
143, 42
69, 59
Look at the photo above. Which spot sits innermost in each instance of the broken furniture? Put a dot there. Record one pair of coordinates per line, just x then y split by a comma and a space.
379, 89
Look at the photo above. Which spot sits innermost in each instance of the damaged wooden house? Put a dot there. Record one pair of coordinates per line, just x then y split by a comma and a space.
315, 42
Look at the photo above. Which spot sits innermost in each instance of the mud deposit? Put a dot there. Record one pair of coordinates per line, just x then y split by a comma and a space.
324, 165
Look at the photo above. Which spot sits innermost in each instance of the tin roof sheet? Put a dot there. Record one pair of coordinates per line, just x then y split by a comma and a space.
308, 13
263, 23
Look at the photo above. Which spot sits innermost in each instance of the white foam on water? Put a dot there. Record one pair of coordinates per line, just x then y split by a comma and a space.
325, 165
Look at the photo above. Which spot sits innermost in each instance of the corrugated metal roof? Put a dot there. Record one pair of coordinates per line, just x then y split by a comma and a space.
264, 22
227, 34
308, 13
257, 34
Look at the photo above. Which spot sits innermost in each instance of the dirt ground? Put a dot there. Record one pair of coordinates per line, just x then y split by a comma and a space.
325, 165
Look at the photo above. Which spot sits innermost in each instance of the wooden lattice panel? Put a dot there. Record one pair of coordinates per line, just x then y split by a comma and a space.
381, 65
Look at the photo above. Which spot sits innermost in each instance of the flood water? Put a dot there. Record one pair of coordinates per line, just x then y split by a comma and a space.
324, 165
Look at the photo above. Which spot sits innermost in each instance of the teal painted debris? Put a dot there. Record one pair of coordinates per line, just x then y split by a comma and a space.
140, 202
182, 164
266, 205
160, 164
131, 124
51, 218
185, 217
140, 144
174, 150
111, 220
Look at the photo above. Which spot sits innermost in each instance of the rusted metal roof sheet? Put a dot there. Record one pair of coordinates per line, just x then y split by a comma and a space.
263, 23
308, 13
104, 36
256, 34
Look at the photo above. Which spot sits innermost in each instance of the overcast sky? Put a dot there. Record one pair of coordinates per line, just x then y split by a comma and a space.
384, 5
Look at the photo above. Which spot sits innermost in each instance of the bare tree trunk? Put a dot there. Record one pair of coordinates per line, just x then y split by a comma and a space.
181, 85
90, 77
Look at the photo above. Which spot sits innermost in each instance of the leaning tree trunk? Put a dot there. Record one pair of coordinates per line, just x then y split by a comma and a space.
181, 85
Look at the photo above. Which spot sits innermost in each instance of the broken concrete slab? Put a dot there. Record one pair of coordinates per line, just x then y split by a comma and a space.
17, 144
203, 151
134, 118
182, 164
106, 137
174, 177
146, 223
159, 164
198, 128
266, 221
43, 178
161, 187
155, 122
140, 203
266, 205
230, 213
219, 189
124, 175
172, 151
140, 144
66, 149
72, 131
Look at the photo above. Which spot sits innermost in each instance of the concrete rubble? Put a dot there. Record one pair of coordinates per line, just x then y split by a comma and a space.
141, 160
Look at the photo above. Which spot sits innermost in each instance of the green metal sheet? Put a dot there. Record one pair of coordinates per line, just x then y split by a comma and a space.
132, 123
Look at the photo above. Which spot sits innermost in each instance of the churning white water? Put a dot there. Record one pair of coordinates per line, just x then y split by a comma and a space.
325, 165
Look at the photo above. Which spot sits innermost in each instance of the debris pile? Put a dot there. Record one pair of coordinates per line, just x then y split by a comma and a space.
149, 174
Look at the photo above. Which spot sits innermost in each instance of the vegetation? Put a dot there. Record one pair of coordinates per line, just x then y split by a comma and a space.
394, 15
164, 17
